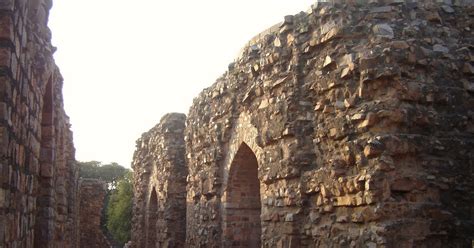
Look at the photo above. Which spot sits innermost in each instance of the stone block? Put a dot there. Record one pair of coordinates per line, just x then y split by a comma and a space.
46, 169
5, 56
6, 27
7, 5
383, 30
3, 194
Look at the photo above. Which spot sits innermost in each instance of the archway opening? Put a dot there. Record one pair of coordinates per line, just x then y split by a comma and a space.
242, 206
45, 200
151, 220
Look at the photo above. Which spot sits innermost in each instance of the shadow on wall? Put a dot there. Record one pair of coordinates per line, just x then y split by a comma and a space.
241, 201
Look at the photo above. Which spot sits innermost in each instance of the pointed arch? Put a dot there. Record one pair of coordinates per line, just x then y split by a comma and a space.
45, 200
151, 220
242, 204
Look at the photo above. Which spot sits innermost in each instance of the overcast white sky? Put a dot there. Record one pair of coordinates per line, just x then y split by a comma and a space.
127, 63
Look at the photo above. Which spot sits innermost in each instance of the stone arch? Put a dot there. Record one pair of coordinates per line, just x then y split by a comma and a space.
241, 201
151, 220
244, 132
45, 200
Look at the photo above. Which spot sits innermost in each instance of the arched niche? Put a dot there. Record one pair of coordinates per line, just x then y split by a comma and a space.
45, 200
241, 201
151, 220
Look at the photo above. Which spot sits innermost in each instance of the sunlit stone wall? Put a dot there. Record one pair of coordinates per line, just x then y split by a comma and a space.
360, 120
38, 178
349, 125
159, 207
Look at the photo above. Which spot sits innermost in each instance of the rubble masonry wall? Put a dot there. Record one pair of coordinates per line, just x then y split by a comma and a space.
360, 118
159, 210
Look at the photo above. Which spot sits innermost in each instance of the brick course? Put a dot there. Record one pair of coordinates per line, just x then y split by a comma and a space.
38, 178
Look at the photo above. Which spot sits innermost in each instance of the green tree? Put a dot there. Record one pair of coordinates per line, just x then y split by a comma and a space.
89, 169
119, 209
109, 173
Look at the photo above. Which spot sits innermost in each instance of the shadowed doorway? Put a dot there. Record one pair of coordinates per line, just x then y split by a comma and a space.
45, 202
151, 219
242, 207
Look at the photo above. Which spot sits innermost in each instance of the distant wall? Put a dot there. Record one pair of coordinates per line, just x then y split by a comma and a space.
159, 207
92, 200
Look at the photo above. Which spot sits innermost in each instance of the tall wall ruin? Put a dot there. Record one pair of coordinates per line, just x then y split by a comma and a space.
38, 179
345, 126
160, 172
92, 200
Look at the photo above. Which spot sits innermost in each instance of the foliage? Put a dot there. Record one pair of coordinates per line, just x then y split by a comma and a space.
106, 172
119, 209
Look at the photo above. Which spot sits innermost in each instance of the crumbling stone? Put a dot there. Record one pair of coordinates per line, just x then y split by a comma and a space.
352, 111
160, 185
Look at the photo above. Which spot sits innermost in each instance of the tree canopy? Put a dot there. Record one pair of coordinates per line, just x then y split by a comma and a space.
119, 209
109, 173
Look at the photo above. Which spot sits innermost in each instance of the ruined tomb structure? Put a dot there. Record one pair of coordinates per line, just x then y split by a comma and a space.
344, 126
38, 179
159, 208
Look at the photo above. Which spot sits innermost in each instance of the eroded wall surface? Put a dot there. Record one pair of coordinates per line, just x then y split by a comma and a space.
38, 179
92, 200
159, 208
357, 122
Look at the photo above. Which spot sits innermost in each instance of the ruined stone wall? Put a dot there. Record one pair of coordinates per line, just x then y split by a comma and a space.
92, 200
349, 125
38, 179
159, 209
